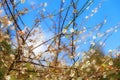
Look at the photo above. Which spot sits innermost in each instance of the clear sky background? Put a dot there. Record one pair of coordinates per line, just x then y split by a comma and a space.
109, 9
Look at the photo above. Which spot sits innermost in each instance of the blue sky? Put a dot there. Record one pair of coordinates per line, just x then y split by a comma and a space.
109, 9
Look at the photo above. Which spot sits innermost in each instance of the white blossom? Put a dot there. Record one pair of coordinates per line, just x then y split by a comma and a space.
72, 73
12, 56
95, 10
100, 34
88, 63
93, 61
1, 11
91, 15
92, 10
109, 30
78, 54
105, 21
63, 1
80, 32
111, 63
94, 37
115, 30
9, 23
72, 30
45, 4
101, 43
22, 1
12, 28
86, 17
92, 51
84, 29
92, 43
85, 42
8, 77
43, 10
71, 57
77, 64
75, 11
87, 7
64, 31
110, 51
116, 27
79, 78
61, 9
104, 75
88, 69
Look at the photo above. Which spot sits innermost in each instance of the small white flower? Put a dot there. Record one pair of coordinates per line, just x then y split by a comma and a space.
117, 54
61, 9
1, 11
94, 62
92, 43
45, 4
75, 11
88, 69
71, 57
78, 54
8, 77
6, 36
95, 10
43, 10
86, 17
105, 21
31, 76
79, 78
9, 23
12, 56
104, 75
83, 66
72, 73
115, 30
76, 64
12, 28
100, 35
111, 63
110, 51
91, 15
116, 26
63, 1
101, 43
94, 37
80, 32
92, 10
84, 29
71, 30
84, 42
22, 1
107, 31
64, 31
87, 7
92, 51
87, 62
